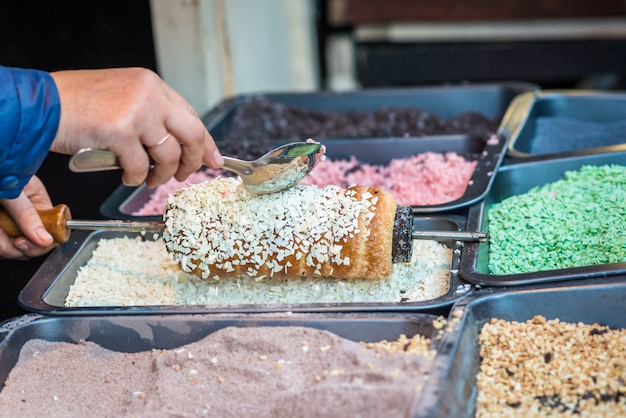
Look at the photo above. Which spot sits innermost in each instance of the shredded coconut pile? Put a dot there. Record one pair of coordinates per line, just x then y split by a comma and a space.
134, 272
155, 205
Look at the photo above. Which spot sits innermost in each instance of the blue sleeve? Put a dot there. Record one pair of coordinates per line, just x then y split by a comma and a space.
30, 111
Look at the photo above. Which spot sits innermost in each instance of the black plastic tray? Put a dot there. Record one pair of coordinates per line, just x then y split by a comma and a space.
491, 100
145, 332
516, 179
48, 288
558, 123
457, 364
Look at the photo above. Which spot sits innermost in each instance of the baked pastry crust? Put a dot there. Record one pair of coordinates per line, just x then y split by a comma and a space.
219, 230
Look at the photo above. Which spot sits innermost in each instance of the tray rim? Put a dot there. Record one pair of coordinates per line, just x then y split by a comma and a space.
475, 216
9, 325
32, 296
518, 115
209, 116
142, 333
450, 341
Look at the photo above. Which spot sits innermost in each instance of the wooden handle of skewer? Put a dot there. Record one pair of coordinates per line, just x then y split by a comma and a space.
53, 220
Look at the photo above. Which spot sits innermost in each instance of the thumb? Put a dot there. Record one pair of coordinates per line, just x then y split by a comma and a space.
27, 219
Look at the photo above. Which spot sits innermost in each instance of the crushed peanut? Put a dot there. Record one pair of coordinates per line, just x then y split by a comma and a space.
439, 323
457, 313
418, 344
551, 368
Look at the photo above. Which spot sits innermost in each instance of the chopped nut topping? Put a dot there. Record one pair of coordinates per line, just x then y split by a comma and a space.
547, 368
439, 323
417, 344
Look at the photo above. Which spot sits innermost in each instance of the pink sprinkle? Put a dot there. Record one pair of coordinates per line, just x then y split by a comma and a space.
493, 140
424, 179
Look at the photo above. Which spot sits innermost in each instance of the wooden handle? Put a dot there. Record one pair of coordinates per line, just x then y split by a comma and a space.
53, 219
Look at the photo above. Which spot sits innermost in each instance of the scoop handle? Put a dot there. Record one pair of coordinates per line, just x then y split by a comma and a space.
54, 220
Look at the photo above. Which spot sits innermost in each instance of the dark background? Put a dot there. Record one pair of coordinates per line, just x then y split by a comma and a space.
578, 62
74, 34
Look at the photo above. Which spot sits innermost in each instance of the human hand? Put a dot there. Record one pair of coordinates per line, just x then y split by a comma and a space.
23, 209
135, 114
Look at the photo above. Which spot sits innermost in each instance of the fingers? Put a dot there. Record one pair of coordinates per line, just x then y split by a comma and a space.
174, 138
27, 219
8, 250
212, 156
185, 147
133, 159
166, 157
21, 248
197, 144
36, 240
131, 111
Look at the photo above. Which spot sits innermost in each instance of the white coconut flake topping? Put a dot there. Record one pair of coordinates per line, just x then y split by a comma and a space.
218, 223
134, 272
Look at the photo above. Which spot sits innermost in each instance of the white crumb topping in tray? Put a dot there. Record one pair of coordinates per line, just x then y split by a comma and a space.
132, 272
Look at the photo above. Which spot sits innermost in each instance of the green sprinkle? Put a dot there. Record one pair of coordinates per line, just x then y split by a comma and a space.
577, 221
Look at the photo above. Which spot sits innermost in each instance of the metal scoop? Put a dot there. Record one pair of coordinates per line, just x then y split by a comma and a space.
277, 170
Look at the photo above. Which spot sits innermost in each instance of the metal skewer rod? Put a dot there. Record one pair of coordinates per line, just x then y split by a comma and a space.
454, 235
58, 222
115, 225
